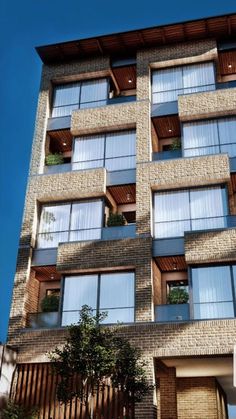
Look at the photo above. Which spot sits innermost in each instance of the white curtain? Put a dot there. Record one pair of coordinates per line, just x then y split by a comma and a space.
66, 99
208, 208
117, 297
78, 291
172, 213
197, 78
212, 292
53, 226
94, 93
166, 85
88, 152
86, 221
120, 150
200, 138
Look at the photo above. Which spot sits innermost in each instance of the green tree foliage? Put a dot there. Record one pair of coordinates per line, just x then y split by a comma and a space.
50, 303
178, 296
15, 411
96, 353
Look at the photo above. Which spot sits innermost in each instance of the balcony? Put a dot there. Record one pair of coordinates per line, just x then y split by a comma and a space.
172, 313
167, 155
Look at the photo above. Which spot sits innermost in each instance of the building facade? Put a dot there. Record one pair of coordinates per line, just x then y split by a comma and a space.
131, 209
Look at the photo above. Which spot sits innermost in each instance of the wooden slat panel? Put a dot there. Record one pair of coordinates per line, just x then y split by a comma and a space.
46, 273
167, 127
227, 62
171, 263
125, 77
124, 194
60, 141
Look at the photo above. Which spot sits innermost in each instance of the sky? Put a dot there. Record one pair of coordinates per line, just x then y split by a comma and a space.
28, 23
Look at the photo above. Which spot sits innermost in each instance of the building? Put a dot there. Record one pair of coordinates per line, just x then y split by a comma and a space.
143, 124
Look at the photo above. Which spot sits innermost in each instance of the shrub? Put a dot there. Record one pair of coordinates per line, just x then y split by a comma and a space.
52, 159
178, 296
176, 145
15, 411
50, 303
115, 220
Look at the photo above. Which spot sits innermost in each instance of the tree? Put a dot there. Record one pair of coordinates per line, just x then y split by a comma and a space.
96, 353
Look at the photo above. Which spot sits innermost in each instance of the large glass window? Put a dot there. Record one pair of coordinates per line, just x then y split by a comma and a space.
115, 151
212, 289
196, 209
168, 83
85, 94
75, 221
112, 292
210, 137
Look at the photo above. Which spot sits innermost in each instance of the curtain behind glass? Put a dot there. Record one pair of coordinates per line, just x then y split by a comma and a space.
197, 78
53, 226
200, 138
66, 99
212, 292
117, 297
166, 85
208, 208
227, 133
120, 150
88, 152
86, 221
78, 291
94, 93
172, 213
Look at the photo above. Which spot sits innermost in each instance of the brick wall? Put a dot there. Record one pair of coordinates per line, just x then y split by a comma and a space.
197, 398
211, 246
207, 104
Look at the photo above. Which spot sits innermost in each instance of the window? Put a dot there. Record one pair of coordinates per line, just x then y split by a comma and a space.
86, 94
115, 151
210, 137
213, 289
196, 209
112, 292
53, 291
167, 84
75, 221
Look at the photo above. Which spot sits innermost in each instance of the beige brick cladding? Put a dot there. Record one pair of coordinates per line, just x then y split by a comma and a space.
154, 340
172, 55
172, 174
207, 104
59, 73
114, 254
117, 117
59, 187
212, 246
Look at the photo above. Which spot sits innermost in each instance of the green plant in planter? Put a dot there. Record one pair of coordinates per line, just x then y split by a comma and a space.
178, 296
50, 303
176, 145
115, 220
52, 159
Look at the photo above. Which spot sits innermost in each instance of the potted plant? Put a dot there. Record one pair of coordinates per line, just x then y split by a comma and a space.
54, 158
176, 145
177, 295
115, 220
50, 303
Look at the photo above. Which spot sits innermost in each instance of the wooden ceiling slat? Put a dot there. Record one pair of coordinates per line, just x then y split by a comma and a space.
171, 263
163, 125
46, 273
123, 75
123, 194
227, 62
58, 140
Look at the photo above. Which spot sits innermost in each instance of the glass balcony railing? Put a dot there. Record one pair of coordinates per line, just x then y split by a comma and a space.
167, 155
43, 320
172, 313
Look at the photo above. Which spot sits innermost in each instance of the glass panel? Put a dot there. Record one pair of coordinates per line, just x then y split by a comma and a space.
117, 290
78, 290
212, 285
66, 98
88, 152
54, 224
86, 221
166, 85
208, 208
170, 208
199, 137
119, 146
95, 91
195, 76
122, 315
227, 130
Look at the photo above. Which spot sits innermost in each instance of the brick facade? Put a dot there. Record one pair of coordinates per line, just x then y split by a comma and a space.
175, 398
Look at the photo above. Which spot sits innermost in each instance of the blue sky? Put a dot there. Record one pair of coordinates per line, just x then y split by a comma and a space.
24, 25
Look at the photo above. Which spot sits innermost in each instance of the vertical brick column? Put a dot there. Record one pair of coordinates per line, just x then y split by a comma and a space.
147, 407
